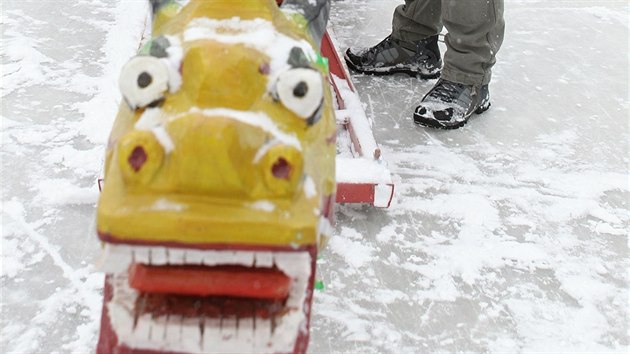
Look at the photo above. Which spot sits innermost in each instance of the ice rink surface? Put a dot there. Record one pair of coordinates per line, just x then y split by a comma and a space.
508, 235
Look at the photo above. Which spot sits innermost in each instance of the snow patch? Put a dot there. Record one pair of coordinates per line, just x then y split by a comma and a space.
174, 60
310, 190
164, 204
56, 191
100, 111
263, 205
151, 118
163, 138
256, 119
355, 253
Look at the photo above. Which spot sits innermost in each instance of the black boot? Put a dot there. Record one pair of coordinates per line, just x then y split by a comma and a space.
449, 105
390, 56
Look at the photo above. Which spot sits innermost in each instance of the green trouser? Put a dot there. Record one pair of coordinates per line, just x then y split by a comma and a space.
475, 33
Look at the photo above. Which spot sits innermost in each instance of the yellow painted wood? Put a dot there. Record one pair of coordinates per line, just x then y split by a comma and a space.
216, 186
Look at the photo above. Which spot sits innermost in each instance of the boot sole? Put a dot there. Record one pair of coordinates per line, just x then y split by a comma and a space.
434, 123
391, 71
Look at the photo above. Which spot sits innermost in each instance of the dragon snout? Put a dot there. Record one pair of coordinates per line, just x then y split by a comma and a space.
216, 158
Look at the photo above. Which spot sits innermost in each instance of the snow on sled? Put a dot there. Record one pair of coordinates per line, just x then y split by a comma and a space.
219, 182
362, 175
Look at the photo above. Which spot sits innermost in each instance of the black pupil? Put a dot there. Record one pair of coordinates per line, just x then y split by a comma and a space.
300, 89
144, 79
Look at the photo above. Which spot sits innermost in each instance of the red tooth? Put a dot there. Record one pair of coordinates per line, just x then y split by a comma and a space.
234, 281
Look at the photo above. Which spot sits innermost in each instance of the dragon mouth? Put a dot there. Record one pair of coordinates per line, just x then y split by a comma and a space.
208, 301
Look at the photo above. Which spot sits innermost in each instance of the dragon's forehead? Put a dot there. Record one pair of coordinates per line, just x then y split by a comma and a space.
219, 75
244, 94
233, 64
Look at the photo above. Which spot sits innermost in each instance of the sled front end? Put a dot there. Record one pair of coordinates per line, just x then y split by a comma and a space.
362, 174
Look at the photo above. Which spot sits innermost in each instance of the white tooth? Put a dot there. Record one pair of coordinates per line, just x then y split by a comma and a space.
115, 259
244, 258
211, 335
175, 256
262, 335
228, 329
158, 256
194, 257
287, 329
121, 320
120, 308
158, 328
293, 264
211, 258
226, 257
141, 255
298, 293
264, 260
245, 333
143, 327
191, 335
123, 294
174, 330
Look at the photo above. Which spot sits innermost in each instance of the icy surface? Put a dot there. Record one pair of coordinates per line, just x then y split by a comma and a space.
510, 234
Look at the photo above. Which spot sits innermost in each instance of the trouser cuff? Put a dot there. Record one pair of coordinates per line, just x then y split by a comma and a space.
409, 37
465, 79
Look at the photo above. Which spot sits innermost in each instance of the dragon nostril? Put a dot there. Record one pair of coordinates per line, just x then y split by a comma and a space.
264, 68
137, 158
281, 169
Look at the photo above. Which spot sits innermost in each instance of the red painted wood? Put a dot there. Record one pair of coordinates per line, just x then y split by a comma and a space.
108, 341
335, 65
255, 283
355, 193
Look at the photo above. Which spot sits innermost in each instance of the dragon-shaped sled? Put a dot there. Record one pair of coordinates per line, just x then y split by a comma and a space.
220, 181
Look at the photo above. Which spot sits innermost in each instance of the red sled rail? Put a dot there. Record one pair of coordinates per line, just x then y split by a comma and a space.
362, 175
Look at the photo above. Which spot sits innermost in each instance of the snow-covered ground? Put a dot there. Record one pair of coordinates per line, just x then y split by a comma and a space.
510, 234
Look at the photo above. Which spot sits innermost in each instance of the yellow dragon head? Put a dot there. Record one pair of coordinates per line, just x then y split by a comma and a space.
219, 181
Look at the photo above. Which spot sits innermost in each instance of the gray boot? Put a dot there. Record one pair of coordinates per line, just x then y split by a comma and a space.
449, 105
390, 56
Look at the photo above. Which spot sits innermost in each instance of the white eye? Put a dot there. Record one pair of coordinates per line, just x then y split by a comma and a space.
143, 80
301, 91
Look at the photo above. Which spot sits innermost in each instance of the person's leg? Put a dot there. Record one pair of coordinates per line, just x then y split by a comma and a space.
412, 48
475, 33
417, 20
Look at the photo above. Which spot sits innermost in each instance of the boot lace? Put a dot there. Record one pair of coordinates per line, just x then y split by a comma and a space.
373, 51
447, 91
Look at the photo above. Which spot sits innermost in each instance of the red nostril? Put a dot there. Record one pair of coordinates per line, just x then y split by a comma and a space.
281, 169
264, 68
137, 158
